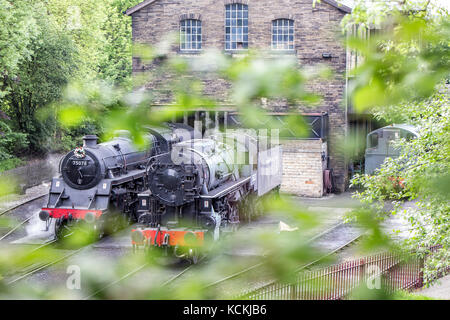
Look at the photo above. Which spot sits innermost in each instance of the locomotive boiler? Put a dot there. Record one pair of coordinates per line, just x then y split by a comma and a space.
196, 191
99, 183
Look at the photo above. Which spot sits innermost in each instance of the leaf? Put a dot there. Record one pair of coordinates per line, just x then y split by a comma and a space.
369, 96
71, 116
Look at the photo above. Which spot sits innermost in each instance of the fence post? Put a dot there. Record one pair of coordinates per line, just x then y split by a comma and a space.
293, 291
421, 266
362, 270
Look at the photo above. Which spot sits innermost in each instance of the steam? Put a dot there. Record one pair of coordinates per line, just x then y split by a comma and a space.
35, 229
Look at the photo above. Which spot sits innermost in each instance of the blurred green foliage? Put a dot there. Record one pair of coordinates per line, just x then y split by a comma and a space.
404, 78
404, 66
46, 44
420, 173
405, 60
11, 143
10, 163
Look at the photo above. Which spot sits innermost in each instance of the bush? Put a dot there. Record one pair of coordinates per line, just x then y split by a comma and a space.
10, 163
69, 139
11, 143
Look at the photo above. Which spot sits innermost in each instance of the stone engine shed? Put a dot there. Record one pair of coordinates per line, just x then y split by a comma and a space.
296, 28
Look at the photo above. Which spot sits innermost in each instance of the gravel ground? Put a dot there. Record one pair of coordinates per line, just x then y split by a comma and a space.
440, 290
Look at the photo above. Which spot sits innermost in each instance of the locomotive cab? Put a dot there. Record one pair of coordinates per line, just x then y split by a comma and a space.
380, 144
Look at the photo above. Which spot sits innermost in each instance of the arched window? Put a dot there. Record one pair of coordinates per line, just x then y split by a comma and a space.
236, 26
283, 34
190, 34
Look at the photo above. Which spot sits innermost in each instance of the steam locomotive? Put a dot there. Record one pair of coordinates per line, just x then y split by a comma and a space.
99, 183
203, 189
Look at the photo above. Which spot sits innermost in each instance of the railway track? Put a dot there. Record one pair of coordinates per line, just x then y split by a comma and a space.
4, 212
329, 233
23, 222
33, 266
166, 283
39, 267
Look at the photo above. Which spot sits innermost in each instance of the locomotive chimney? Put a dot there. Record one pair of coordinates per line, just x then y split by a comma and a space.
90, 141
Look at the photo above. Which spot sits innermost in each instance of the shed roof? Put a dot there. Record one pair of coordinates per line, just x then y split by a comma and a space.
403, 126
145, 3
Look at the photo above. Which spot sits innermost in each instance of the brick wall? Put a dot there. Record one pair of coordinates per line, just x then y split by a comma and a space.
317, 31
303, 167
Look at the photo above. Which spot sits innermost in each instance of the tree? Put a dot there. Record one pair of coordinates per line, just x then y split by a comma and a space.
82, 21
18, 29
116, 65
102, 35
40, 80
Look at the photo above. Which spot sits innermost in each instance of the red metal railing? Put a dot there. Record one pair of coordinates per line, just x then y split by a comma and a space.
391, 271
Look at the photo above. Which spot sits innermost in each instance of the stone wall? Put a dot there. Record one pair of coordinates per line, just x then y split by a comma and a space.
33, 173
303, 167
317, 31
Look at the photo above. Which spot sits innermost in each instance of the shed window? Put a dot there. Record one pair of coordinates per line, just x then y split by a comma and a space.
236, 26
190, 34
373, 141
283, 34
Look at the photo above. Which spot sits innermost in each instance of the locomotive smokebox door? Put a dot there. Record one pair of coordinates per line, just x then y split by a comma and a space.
144, 202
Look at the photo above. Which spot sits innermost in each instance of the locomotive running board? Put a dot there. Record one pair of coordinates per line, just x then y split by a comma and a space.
226, 188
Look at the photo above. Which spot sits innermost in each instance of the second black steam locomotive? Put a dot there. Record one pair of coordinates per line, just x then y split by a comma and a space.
200, 189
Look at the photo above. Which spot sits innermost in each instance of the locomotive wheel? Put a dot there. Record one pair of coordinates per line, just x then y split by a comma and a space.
233, 215
113, 223
128, 219
251, 208
99, 230
194, 255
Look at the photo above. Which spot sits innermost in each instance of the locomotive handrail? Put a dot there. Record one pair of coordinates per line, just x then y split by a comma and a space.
58, 199
127, 165
93, 198
117, 156
153, 157
218, 192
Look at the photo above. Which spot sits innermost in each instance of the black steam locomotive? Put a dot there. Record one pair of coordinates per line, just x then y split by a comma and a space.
99, 183
200, 189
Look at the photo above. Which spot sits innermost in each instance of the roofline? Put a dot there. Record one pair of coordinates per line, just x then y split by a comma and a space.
138, 7
338, 5
404, 126
145, 3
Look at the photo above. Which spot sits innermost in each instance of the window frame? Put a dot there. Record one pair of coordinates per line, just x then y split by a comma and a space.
275, 45
374, 137
245, 9
198, 24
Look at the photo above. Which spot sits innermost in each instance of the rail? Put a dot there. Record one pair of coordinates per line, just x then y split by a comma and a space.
22, 203
6, 211
311, 240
